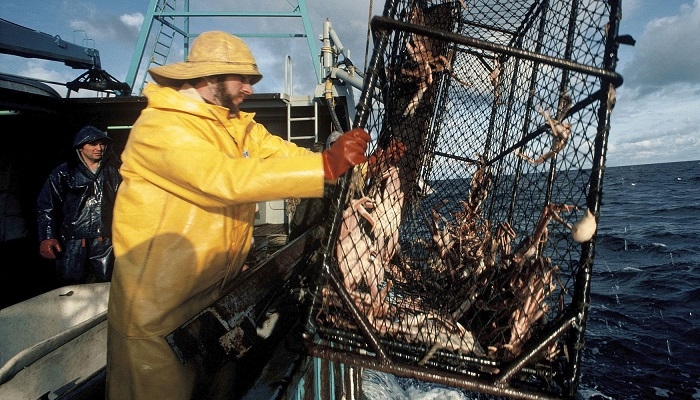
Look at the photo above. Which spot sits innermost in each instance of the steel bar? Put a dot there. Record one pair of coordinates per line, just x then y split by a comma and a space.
383, 23
442, 378
527, 356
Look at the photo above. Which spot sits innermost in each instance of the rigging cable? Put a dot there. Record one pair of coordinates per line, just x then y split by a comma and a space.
369, 24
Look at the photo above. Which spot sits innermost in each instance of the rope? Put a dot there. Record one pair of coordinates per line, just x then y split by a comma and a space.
369, 23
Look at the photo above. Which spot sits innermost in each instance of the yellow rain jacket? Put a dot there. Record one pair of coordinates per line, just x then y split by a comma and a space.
183, 225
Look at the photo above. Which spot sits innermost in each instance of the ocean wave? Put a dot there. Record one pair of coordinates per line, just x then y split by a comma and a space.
682, 210
657, 370
680, 244
642, 327
382, 386
585, 393
669, 280
379, 385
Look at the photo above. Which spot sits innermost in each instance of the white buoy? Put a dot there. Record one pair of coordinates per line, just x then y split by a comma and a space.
583, 229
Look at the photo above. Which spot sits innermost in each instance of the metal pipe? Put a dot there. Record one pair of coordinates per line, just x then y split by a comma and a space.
326, 49
372, 73
354, 80
442, 378
362, 323
527, 356
582, 288
336, 41
543, 128
383, 23
288, 84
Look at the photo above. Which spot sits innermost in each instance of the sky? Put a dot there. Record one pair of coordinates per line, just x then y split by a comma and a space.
656, 118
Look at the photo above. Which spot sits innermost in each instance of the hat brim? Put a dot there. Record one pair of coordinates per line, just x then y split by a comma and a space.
168, 74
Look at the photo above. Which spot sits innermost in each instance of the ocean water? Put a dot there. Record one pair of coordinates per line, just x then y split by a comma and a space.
643, 330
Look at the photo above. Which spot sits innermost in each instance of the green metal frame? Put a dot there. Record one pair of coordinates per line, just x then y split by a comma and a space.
157, 15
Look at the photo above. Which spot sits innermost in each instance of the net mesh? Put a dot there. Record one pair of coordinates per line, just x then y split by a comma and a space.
462, 239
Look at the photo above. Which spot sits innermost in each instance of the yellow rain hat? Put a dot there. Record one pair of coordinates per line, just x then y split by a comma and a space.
212, 53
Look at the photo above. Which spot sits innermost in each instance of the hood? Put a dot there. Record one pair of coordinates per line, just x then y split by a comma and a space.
90, 134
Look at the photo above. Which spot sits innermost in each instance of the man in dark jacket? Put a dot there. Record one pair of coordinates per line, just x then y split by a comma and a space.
75, 211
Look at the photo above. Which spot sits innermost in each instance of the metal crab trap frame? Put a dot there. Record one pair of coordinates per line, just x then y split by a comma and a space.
461, 253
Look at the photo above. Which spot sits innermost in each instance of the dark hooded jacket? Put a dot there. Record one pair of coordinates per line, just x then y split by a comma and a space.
76, 203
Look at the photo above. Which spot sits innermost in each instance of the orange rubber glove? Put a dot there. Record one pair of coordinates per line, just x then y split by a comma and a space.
346, 152
49, 247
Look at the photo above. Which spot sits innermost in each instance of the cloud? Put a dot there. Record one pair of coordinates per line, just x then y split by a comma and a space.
134, 20
109, 28
663, 148
38, 70
661, 126
667, 52
46, 72
632, 6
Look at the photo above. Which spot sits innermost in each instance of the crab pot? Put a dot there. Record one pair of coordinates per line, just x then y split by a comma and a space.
461, 253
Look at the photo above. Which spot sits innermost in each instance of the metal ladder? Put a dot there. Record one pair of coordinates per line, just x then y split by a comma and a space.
162, 43
291, 120
164, 38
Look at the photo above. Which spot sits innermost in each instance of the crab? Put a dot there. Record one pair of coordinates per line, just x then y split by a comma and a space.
560, 131
488, 260
357, 261
532, 278
495, 78
531, 247
369, 239
426, 62
461, 239
530, 288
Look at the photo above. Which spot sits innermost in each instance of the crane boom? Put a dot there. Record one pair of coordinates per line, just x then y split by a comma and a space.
21, 41
24, 42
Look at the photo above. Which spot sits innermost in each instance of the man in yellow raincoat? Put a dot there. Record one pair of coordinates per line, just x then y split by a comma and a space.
193, 169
